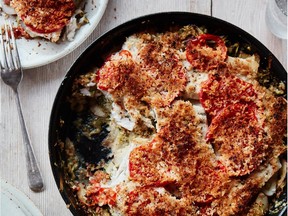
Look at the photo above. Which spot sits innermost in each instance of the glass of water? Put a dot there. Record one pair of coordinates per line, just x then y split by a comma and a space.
276, 17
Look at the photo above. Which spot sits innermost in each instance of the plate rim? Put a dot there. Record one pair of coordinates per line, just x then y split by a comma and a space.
21, 198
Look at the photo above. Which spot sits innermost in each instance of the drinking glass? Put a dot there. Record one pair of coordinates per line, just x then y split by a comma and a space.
276, 17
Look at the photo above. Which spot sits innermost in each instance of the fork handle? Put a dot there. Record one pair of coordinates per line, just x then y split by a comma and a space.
34, 175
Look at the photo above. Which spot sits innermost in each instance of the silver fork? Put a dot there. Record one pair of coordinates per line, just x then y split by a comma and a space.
11, 74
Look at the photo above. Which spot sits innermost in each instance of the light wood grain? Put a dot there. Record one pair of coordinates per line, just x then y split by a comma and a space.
250, 16
40, 85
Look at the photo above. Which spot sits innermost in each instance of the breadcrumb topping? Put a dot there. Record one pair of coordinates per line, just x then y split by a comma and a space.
190, 147
44, 16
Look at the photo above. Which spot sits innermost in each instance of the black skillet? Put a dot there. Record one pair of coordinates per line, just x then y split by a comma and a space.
95, 55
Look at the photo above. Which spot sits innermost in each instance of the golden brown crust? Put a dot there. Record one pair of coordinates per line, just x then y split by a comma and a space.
236, 129
278, 119
148, 80
148, 201
148, 164
44, 16
184, 169
178, 161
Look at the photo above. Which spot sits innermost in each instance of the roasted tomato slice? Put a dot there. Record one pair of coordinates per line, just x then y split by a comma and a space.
206, 52
237, 129
219, 91
97, 195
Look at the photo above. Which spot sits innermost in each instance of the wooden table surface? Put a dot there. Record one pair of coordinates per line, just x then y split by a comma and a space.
39, 85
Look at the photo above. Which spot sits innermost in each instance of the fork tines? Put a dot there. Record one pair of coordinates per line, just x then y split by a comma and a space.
9, 57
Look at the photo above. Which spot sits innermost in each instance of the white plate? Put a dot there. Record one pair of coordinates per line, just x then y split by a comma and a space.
37, 52
16, 203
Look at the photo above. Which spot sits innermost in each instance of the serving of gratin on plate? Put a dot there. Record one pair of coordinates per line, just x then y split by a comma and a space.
48, 30
47, 19
179, 120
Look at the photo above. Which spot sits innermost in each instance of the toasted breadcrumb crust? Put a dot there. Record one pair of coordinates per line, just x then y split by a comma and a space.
177, 158
51, 20
44, 16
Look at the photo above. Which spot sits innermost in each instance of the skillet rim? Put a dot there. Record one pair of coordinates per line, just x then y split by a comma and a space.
124, 30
